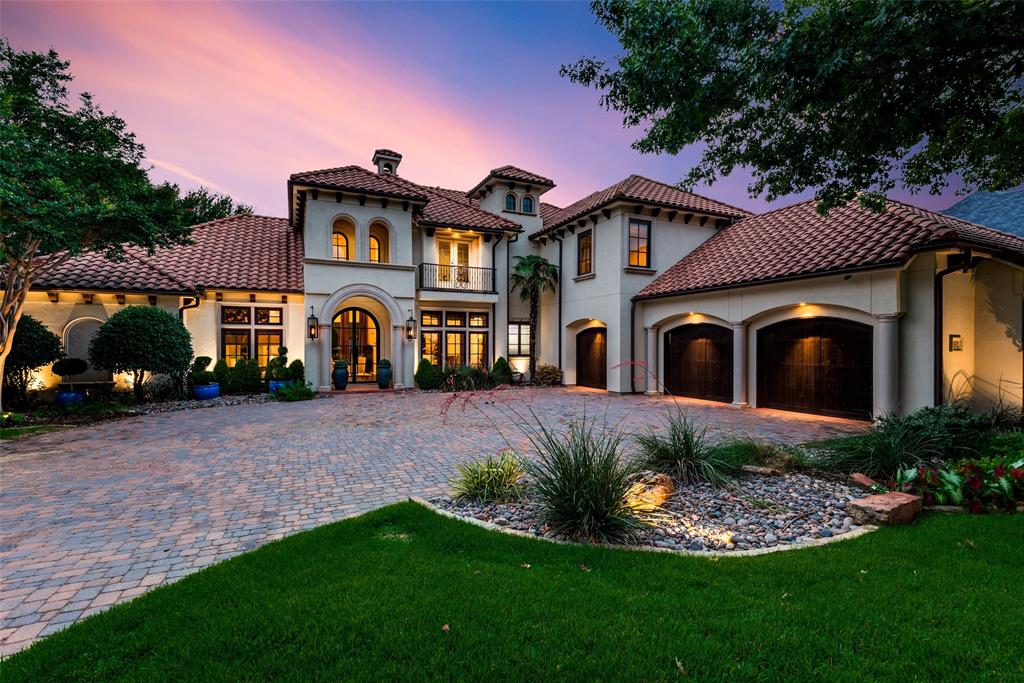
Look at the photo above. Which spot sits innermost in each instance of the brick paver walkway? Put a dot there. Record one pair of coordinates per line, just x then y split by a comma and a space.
94, 516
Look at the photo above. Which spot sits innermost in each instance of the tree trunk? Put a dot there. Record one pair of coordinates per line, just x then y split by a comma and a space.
137, 377
534, 305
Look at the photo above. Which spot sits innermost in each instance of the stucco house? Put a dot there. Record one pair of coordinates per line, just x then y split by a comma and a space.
853, 314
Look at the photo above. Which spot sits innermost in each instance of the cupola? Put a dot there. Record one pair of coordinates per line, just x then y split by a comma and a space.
387, 161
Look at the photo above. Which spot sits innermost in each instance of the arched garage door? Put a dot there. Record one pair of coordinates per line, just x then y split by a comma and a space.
592, 358
816, 365
698, 362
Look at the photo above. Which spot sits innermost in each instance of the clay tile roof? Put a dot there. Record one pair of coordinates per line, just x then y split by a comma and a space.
386, 153
243, 252
639, 189
515, 174
796, 241
549, 213
93, 271
357, 179
445, 209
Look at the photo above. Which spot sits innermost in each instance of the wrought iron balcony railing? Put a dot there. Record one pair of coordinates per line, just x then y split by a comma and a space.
435, 276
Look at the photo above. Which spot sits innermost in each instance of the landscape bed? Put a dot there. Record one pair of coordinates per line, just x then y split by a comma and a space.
403, 593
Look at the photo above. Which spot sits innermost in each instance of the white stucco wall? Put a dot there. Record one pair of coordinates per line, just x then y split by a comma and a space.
998, 357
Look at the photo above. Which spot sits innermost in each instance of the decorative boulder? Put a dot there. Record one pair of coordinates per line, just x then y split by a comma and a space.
861, 480
650, 490
887, 508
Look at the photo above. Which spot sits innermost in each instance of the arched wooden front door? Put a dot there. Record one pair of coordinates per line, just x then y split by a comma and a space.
816, 365
592, 358
698, 362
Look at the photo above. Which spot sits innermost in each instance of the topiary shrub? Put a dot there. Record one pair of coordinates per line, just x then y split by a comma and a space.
225, 378
199, 375
297, 371
34, 346
139, 340
246, 376
548, 375
277, 367
427, 376
501, 372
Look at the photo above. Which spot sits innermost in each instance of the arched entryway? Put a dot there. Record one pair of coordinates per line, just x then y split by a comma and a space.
698, 362
816, 365
592, 358
355, 338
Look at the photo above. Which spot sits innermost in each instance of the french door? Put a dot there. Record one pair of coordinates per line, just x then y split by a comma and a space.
355, 338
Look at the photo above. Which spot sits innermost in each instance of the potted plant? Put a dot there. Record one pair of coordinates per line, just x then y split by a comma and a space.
277, 370
383, 373
67, 368
204, 383
340, 375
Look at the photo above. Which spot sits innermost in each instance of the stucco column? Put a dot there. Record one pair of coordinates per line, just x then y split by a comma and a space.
325, 357
397, 352
888, 394
651, 373
739, 365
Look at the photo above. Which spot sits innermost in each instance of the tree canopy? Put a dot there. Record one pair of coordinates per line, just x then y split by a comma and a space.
34, 347
842, 96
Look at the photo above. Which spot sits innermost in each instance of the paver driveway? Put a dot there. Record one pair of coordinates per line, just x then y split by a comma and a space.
94, 516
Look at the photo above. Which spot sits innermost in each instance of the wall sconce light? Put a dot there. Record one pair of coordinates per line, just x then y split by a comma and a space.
312, 324
410, 327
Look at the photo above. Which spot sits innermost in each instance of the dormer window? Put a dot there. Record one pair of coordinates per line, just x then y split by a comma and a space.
510, 202
527, 204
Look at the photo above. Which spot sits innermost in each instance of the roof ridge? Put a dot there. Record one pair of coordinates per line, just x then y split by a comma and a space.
329, 170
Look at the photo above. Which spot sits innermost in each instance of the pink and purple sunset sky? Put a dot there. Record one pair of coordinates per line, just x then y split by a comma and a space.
238, 96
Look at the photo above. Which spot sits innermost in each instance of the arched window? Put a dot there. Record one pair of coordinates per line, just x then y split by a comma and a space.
527, 204
340, 245
379, 244
510, 202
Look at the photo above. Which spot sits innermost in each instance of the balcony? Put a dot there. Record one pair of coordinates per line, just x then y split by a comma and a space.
441, 278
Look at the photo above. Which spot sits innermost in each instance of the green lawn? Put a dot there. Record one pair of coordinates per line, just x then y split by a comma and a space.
20, 432
368, 598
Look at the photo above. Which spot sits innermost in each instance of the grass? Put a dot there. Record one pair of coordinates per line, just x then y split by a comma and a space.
367, 599
21, 432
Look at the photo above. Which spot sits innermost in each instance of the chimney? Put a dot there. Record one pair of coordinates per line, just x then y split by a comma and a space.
386, 161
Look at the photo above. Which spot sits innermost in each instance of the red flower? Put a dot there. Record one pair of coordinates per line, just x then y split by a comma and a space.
975, 483
1018, 473
999, 471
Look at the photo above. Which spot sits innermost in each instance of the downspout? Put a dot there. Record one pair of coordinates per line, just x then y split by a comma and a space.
192, 302
560, 335
965, 266
494, 286
632, 345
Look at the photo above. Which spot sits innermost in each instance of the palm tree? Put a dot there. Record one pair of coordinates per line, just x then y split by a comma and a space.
532, 276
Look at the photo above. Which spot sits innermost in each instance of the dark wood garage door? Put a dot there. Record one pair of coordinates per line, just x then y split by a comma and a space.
592, 358
817, 365
698, 362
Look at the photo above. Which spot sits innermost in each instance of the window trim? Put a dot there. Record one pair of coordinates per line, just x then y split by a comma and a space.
647, 242
515, 202
589, 232
508, 344
280, 313
247, 331
465, 330
252, 328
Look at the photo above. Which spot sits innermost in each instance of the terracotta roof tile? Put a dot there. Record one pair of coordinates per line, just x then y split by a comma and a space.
644, 190
515, 174
357, 179
549, 213
243, 252
444, 209
796, 241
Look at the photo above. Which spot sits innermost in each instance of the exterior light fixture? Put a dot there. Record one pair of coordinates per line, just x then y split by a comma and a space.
410, 327
312, 324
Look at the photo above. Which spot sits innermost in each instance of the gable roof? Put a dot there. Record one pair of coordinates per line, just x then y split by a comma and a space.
1003, 210
643, 190
442, 207
246, 252
796, 241
549, 213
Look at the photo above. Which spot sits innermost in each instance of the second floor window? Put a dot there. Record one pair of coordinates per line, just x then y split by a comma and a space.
585, 253
527, 204
339, 243
639, 244
510, 202
374, 250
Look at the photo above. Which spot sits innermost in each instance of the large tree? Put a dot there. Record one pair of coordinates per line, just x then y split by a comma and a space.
532, 276
72, 180
842, 96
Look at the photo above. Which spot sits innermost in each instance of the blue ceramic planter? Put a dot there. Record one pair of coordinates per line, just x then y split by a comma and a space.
276, 384
67, 398
204, 392
339, 377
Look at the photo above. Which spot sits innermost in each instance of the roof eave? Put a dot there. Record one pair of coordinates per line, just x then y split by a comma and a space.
621, 198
